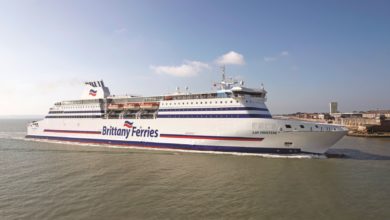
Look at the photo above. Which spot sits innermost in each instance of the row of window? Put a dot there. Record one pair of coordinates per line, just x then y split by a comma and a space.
215, 116
74, 112
77, 102
75, 116
213, 109
316, 126
80, 106
197, 103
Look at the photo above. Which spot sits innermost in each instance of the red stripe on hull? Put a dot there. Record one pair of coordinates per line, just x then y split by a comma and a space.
211, 137
72, 132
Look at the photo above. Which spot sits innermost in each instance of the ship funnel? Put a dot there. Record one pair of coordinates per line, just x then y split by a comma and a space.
95, 90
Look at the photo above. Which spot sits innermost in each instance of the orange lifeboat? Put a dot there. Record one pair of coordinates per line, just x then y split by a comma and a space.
132, 105
150, 105
168, 97
115, 106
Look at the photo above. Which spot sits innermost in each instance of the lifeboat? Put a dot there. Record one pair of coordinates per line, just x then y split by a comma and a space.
150, 105
168, 97
132, 105
115, 106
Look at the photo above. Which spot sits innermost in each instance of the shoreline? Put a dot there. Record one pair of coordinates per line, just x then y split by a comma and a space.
367, 135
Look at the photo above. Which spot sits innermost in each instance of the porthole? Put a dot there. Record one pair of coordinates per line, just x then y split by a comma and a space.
301, 126
288, 126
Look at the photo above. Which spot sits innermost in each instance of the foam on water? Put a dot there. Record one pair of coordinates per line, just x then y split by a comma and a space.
12, 135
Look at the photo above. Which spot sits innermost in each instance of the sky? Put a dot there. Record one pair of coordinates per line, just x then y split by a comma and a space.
306, 53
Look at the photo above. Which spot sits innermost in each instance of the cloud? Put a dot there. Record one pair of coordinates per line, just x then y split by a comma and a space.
281, 54
187, 69
284, 53
269, 59
193, 68
232, 58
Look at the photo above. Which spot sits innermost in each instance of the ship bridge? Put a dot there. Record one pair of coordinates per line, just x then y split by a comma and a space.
243, 91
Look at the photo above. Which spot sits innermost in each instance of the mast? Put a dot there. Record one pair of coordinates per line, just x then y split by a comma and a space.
223, 68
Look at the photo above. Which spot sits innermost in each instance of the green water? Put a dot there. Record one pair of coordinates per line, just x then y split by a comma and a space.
40, 180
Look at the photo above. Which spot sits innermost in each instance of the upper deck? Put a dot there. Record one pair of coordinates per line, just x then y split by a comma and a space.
232, 99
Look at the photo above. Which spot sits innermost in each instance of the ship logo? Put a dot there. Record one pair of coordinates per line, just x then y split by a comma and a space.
92, 92
128, 124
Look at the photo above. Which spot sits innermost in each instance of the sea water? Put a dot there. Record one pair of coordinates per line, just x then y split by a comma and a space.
57, 180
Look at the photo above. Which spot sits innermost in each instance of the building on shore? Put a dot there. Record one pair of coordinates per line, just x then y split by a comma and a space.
347, 115
376, 113
382, 125
333, 107
372, 121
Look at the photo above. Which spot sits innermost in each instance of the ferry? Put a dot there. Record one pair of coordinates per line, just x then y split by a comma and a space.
232, 118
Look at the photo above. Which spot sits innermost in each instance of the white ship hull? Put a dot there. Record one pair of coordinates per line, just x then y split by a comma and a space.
250, 135
232, 119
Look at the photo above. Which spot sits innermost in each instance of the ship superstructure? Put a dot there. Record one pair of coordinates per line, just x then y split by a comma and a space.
233, 118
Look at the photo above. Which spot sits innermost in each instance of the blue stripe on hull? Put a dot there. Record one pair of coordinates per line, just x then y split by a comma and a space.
175, 146
212, 109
